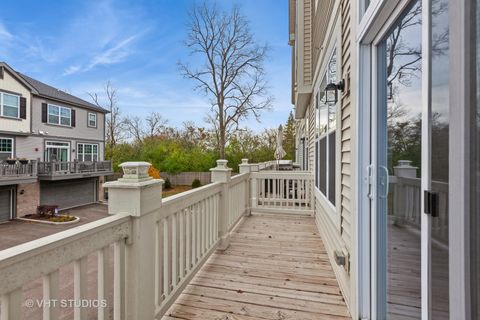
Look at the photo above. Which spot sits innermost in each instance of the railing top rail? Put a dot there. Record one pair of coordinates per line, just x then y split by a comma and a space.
239, 178
47, 254
283, 174
185, 199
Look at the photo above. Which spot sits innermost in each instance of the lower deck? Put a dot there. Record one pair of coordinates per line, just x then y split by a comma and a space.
276, 267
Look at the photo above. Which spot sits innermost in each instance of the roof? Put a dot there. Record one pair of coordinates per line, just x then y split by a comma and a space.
47, 91
44, 90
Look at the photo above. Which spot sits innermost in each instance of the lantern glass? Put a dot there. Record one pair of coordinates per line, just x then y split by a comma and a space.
331, 95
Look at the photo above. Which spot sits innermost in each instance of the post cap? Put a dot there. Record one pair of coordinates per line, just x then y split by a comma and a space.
244, 161
135, 171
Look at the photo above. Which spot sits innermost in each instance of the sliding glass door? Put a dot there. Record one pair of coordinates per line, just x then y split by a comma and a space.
410, 157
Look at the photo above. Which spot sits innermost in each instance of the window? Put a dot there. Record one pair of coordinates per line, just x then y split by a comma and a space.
59, 115
6, 148
92, 120
325, 144
10, 104
87, 152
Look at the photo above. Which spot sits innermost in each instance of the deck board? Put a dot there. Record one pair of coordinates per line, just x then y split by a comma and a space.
276, 267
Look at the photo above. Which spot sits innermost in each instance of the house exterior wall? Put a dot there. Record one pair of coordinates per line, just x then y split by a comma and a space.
332, 28
10, 84
80, 130
33, 147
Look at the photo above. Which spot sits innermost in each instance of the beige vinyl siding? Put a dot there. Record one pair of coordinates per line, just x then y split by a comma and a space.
10, 84
322, 16
346, 136
307, 45
335, 224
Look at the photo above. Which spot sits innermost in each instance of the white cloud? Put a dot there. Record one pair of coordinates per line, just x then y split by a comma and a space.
115, 54
71, 70
4, 33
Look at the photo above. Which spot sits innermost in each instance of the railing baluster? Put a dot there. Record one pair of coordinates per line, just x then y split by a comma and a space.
188, 241
159, 286
103, 283
119, 280
174, 250
50, 294
80, 287
11, 305
166, 258
181, 262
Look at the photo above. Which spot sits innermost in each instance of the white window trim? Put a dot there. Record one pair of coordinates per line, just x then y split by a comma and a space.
59, 115
326, 135
65, 146
13, 146
1, 105
83, 148
88, 119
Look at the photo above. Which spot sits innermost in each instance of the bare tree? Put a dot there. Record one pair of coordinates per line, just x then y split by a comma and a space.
155, 124
231, 73
134, 127
114, 122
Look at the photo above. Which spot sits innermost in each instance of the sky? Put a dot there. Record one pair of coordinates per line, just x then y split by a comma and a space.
78, 45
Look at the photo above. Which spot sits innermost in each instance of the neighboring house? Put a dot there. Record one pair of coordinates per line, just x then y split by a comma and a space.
61, 136
390, 132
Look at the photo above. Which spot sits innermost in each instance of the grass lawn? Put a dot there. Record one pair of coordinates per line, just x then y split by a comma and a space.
174, 190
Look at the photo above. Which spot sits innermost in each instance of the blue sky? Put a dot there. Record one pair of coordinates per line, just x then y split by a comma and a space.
78, 45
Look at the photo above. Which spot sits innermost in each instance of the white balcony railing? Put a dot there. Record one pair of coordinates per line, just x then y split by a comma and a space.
158, 245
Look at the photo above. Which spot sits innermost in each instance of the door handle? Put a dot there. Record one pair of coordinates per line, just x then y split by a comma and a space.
368, 180
385, 182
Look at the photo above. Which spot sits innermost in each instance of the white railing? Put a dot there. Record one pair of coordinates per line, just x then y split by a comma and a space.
407, 197
158, 245
280, 191
238, 198
186, 233
44, 257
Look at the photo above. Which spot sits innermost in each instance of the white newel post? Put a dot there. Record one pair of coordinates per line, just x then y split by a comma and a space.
402, 170
221, 173
244, 167
140, 196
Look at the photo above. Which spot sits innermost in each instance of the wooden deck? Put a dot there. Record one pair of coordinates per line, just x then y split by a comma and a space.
404, 275
275, 268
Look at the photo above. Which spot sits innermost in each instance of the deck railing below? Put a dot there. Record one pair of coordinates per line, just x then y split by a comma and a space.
18, 169
53, 168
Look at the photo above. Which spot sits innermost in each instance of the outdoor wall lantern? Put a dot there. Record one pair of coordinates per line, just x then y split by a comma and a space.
331, 91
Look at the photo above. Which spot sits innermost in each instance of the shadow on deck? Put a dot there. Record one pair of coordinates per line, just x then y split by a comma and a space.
276, 267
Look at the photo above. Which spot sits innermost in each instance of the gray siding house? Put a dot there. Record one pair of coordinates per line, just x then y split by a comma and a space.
51, 147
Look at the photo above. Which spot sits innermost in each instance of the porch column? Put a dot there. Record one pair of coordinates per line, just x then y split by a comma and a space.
222, 174
138, 195
244, 167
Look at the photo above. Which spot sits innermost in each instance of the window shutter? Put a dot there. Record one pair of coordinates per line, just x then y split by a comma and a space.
1, 72
23, 108
73, 118
44, 112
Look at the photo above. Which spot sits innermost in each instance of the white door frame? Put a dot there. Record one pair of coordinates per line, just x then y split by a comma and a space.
374, 27
462, 94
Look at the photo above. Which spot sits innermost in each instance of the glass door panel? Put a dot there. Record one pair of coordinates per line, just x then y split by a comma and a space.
398, 159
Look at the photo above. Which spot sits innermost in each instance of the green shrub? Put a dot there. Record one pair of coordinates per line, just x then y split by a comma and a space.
196, 183
167, 184
66, 218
